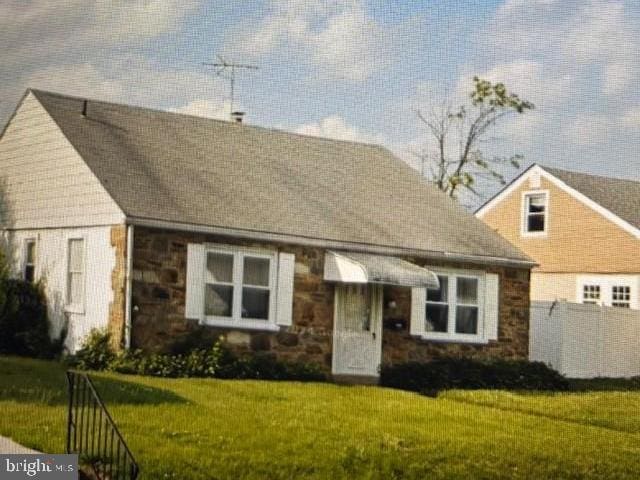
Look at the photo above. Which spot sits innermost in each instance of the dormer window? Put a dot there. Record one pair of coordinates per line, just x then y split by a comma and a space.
535, 215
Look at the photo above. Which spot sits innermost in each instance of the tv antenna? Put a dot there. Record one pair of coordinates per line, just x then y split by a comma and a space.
227, 70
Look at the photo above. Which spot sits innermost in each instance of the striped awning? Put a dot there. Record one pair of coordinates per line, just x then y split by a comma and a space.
352, 267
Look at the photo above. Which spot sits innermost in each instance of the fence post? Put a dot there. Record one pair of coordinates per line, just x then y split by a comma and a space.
70, 419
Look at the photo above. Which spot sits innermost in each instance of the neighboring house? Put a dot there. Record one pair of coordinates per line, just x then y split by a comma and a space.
157, 225
582, 230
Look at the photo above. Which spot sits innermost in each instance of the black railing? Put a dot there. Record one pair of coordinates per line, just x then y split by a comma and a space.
93, 435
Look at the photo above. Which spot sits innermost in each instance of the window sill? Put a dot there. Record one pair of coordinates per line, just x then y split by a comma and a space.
468, 340
241, 325
533, 234
74, 309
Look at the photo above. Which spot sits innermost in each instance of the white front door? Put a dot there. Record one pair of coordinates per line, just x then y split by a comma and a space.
357, 330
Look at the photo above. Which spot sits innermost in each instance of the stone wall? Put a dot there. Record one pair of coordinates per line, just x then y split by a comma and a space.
158, 292
158, 297
513, 324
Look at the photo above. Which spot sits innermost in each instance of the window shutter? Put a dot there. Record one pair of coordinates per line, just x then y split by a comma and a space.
286, 267
491, 306
194, 303
418, 310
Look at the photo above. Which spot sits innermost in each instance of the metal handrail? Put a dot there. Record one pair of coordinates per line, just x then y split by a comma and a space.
92, 433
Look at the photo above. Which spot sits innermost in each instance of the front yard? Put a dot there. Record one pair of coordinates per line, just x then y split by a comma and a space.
204, 429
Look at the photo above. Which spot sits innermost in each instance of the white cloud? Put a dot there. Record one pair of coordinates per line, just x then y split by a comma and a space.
575, 36
206, 108
35, 30
576, 60
631, 118
338, 38
587, 131
83, 80
619, 76
352, 46
133, 80
334, 126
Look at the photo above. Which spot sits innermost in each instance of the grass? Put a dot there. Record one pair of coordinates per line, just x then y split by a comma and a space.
208, 429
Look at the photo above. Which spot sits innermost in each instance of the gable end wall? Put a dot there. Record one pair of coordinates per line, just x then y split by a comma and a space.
44, 183
579, 239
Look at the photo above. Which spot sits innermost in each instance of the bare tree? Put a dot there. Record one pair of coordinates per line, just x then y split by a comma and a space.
457, 159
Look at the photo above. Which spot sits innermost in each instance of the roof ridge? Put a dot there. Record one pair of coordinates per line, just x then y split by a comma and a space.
37, 91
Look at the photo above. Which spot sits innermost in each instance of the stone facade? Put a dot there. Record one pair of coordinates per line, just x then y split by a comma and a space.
158, 292
118, 285
158, 297
513, 323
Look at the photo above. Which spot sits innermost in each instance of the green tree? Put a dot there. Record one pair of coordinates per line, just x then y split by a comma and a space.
457, 159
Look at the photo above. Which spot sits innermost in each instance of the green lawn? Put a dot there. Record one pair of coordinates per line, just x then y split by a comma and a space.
203, 429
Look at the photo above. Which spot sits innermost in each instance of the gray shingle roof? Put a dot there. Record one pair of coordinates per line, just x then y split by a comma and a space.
619, 196
179, 168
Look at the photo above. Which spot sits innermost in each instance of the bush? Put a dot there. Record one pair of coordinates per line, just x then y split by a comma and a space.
448, 373
96, 352
214, 361
24, 324
266, 367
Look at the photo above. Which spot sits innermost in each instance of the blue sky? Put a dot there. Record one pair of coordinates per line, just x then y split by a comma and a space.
354, 70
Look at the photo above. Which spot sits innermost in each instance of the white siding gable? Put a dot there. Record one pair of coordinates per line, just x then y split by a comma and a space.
44, 180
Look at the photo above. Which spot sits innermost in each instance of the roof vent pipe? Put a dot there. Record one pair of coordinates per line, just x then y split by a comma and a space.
84, 108
237, 116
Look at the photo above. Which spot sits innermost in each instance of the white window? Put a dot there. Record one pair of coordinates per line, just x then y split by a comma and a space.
591, 294
535, 213
621, 296
609, 290
75, 274
240, 288
29, 262
454, 308
463, 309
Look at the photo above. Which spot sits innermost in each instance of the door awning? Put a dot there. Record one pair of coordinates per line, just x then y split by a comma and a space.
350, 267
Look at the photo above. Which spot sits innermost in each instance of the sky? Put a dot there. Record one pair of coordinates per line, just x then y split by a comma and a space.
352, 69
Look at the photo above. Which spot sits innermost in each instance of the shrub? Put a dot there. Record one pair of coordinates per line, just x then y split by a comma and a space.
448, 373
96, 352
24, 323
267, 367
213, 361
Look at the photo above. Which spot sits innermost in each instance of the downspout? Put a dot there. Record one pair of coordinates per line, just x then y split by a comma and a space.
127, 296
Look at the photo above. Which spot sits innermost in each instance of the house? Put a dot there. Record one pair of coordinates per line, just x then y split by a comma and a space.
582, 230
157, 225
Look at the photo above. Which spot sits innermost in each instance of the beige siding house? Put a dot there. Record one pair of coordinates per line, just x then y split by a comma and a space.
582, 230
164, 227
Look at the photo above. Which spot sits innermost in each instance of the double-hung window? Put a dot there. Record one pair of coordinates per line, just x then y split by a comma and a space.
239, 287
454, 310
29, 263
535, 214
75, 274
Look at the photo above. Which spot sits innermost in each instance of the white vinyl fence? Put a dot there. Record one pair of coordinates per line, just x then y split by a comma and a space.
585, 341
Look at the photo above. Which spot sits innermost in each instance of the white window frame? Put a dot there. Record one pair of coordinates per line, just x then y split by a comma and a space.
236, 320
606, 284
450, 335
591, 301
25, 257
69, 307
621, 302
524, 223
